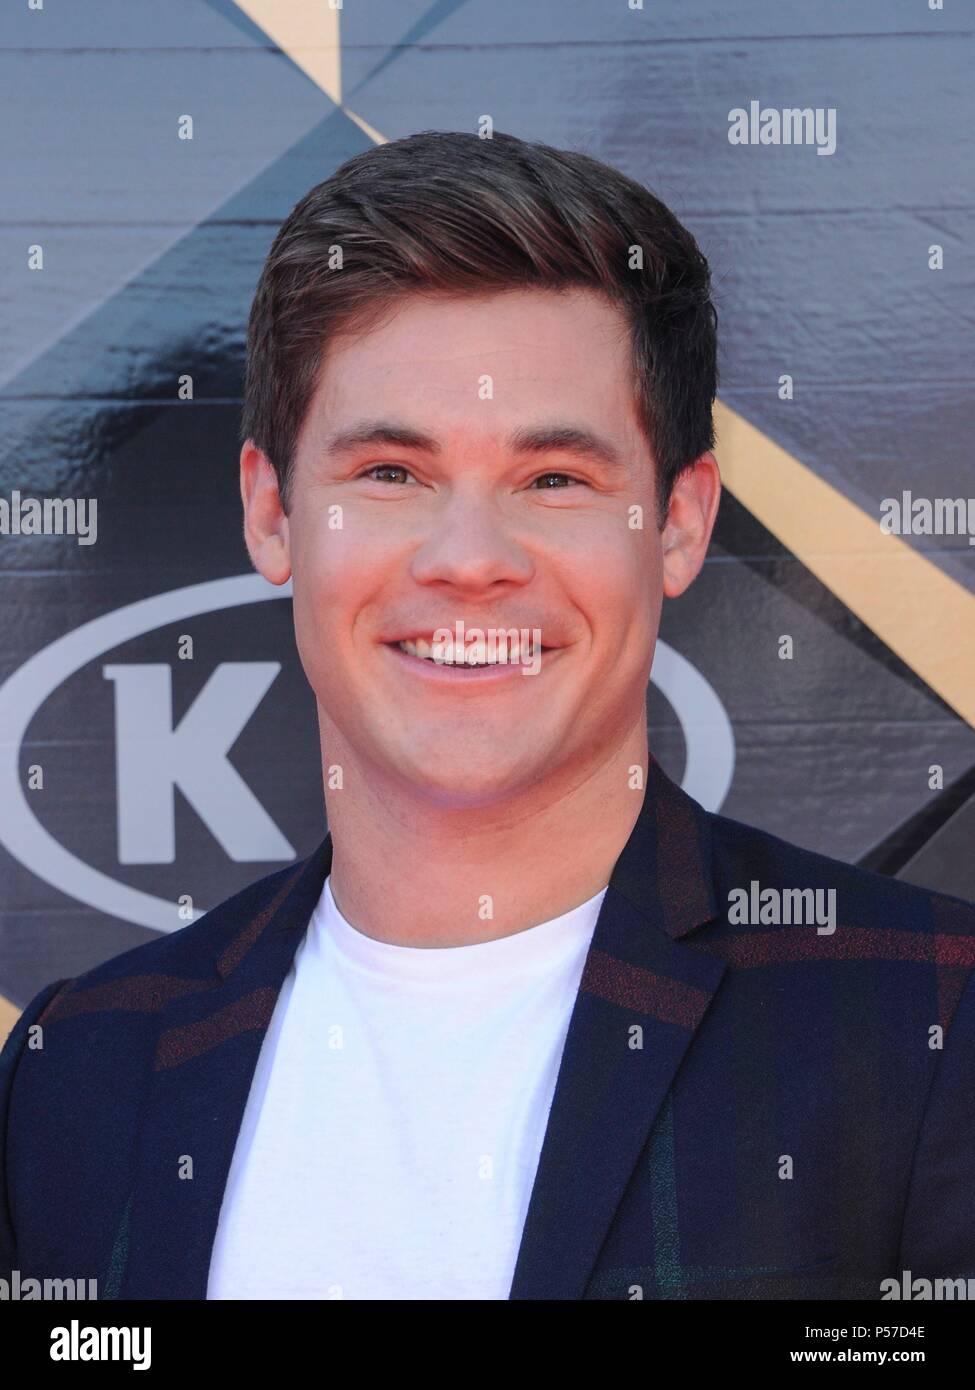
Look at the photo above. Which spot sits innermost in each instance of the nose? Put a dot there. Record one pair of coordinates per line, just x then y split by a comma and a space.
470, 546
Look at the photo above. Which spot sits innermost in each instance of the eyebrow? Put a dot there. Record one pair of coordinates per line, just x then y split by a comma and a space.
539, 439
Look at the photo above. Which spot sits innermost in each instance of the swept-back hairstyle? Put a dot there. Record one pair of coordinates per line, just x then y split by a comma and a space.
450, 213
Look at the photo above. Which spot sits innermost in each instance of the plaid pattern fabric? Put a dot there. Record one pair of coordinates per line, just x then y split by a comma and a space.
742, 1111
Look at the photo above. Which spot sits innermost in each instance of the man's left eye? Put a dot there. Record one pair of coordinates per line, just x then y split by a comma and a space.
384, 468
566, 476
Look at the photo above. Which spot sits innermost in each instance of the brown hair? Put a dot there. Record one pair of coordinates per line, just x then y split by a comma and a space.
448, 212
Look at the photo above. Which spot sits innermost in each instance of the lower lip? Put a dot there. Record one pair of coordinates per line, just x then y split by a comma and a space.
442, 674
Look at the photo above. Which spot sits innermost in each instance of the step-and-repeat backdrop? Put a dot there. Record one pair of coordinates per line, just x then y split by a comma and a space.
157, 736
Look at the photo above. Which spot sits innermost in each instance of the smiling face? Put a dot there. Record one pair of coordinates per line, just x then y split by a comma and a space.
472, 460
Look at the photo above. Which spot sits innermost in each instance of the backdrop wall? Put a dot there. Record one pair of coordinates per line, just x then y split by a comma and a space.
150, 154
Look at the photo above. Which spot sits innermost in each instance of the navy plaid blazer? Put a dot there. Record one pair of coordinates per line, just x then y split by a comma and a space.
742, 1111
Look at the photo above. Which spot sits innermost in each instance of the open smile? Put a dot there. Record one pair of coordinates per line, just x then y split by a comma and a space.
465, 673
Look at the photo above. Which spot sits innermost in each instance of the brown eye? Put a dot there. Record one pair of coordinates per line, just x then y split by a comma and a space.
384, 468
554, 475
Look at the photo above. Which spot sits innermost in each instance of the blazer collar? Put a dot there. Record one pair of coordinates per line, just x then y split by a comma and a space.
638, 974
665, 866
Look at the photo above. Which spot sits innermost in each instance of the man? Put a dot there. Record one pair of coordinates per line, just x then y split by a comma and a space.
530, 1023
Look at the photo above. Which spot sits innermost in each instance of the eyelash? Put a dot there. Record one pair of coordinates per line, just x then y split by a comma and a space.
403, 469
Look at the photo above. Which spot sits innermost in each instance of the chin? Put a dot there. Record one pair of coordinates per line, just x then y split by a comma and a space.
458, 787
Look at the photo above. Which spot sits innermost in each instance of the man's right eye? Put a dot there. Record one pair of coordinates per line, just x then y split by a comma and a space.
385, 468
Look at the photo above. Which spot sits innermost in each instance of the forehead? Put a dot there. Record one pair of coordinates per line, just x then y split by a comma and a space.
485, 360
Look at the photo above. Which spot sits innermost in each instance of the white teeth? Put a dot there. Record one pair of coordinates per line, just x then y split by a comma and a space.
475, 653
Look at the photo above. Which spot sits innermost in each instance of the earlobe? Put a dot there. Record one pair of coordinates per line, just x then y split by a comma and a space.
679, 566
266, 533
690, 520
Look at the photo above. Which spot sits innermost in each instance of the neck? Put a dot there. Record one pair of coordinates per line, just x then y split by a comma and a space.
412, 873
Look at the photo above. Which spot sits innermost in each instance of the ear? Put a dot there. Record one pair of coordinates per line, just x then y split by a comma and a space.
690, 520
265, 522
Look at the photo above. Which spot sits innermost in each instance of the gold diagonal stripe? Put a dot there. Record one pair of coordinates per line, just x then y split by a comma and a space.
920, 612
310, 36
308, 32
364, 125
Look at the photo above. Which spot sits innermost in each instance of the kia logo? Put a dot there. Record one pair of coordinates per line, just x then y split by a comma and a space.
153, 757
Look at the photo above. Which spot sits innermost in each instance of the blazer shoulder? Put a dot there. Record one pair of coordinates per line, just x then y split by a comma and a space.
743, 852
190, 950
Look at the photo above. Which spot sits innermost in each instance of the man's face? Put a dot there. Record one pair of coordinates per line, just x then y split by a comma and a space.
487, 507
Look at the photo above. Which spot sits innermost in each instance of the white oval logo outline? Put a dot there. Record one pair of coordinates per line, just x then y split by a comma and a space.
707, 776
22, 695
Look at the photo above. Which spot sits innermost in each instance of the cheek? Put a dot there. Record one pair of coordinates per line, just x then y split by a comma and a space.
316, 567
335, 577
618, 586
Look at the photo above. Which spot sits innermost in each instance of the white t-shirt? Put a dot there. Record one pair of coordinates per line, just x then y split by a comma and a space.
391, 1136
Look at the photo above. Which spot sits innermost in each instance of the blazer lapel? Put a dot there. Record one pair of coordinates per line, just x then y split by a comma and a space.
206, 1052
642, 995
